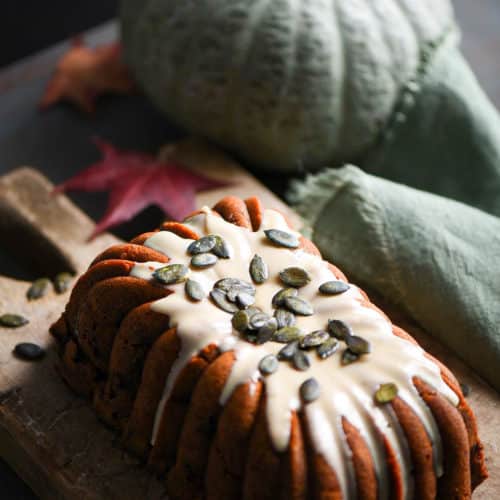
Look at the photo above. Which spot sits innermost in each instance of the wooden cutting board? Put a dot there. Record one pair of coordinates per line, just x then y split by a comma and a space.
52, 438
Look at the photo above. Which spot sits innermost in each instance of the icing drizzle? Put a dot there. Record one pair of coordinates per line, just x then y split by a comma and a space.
345, 390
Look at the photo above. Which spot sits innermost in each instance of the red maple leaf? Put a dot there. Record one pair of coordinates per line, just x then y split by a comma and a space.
83, 73
136, 180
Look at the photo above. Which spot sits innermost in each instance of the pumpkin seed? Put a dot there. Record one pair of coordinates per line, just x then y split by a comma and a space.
287, 352
252, 310
268, 364
29, 351
309, 390
204, 260
13, 320
284, 317
38, 288
349, 357
62, 282
357, 344
251, 337
258, 320
287, 334
245, 299
301, 360
232, 295
299, 306
282, 238
314, 339
240, 321
386, 393
258, 269
334, 287
172, 273
295, 277
267, 331
220, 248
202, 245
220, 300
194, 290
234, 285
327, 348
280, 296
339, 329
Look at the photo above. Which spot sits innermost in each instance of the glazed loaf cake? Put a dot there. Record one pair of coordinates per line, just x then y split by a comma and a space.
238, 364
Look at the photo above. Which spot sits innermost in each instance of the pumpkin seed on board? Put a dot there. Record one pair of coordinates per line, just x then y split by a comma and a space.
245, 299
62, 282
220, 300
194, 290
327, 348
295, 277
301, 360
29, 351
38, 288
258, 269
220, 248
333, 287
287, 352
386, 393
339, 329
282, 238
171, 274
13, 320
287, 334
349, 357
284, 317
234, 285
357, 344
240, 321
280, 296
204, 260
202, 245
268, 364
299, 306
310, 390
314, 339
266, 331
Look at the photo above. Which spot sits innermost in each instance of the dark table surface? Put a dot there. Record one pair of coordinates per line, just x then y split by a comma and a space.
58, 142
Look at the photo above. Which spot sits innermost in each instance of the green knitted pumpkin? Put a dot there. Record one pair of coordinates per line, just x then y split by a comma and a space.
281, 82
293, 84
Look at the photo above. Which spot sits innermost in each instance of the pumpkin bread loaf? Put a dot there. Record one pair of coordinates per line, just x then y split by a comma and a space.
238, 364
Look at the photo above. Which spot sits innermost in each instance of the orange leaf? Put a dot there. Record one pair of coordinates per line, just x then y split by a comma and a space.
84, 73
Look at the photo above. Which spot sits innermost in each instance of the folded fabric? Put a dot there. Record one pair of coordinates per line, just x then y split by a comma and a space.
437, 259
444, 136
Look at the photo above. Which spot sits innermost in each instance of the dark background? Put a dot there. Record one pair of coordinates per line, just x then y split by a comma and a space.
32, 25
26, 137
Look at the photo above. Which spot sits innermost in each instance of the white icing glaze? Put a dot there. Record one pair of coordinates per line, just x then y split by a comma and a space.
345, 390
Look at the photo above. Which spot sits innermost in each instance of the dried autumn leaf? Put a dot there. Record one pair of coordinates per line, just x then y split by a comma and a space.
84, 73
136, 180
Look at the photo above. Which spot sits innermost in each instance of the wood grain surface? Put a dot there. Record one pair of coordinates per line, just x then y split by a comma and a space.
52, 438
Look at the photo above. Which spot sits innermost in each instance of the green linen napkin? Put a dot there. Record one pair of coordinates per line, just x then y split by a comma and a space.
436, 258
444, 136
